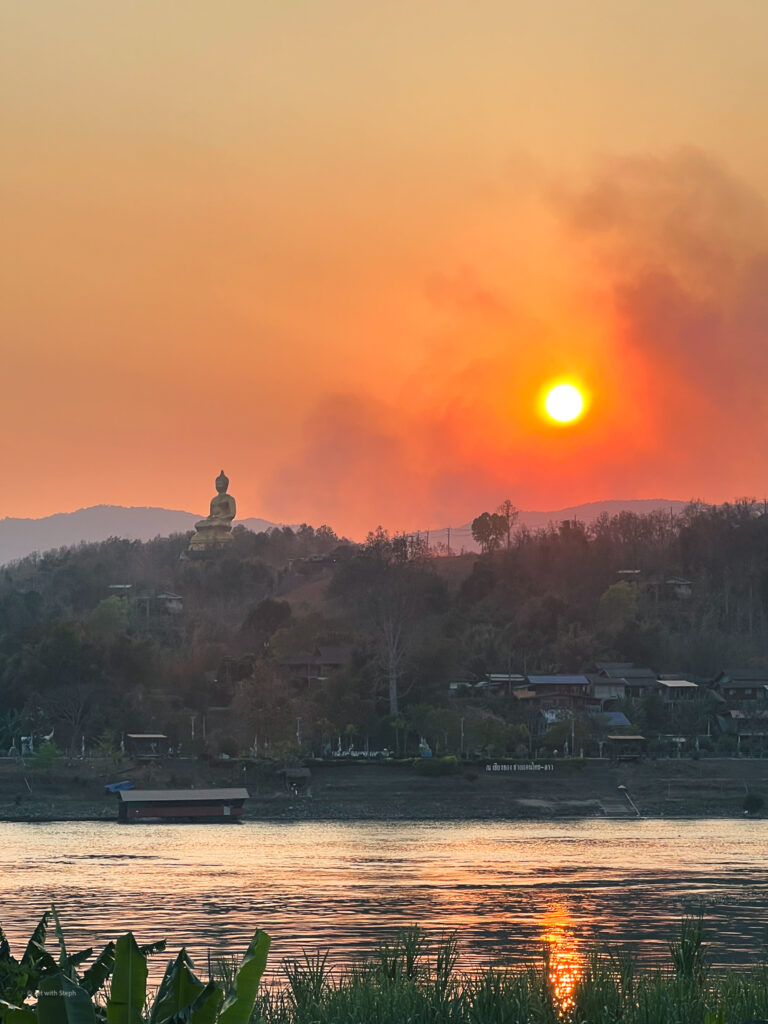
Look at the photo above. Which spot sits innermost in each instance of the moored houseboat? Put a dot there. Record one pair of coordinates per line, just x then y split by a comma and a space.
196, 806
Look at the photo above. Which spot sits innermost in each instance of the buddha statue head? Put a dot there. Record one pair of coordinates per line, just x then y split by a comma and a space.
222, 483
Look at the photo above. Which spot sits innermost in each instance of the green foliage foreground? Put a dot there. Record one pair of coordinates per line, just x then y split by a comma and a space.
40, 989
409, 981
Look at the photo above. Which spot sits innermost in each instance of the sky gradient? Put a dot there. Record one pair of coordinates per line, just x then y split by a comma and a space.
340, 249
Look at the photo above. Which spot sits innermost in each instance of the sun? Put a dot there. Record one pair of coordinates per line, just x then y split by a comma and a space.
564, 403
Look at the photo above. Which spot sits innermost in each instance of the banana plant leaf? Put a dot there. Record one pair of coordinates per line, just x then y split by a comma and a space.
128, 990
238, 1006
36, 941
37, 958
179, 988
5, 949
15, 983
61, 1001
153, 947
100, 970
204, 1010
75, 959
59, 936
11, 1014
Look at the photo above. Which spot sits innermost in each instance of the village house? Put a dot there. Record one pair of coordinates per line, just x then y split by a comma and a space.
677, 691
500, 683
638, 682
606, 692
742, 688
749, 727
559, 691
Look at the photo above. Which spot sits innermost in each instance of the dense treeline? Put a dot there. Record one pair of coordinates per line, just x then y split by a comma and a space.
94, 643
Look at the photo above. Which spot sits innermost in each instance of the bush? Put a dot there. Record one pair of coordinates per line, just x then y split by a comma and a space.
436, 765
47, 755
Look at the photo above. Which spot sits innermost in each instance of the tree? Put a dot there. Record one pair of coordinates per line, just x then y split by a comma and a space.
652, 713
441, 727
510, 515
109, 619
488, 530
71, 707
618, 606
264, 619
11, 722
487, 735
389, 584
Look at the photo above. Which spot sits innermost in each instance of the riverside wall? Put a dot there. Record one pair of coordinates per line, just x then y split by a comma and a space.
346, 790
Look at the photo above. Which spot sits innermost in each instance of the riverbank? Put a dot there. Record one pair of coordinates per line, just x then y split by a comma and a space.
366, 791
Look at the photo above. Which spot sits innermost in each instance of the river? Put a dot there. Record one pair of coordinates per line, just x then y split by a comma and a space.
505, 888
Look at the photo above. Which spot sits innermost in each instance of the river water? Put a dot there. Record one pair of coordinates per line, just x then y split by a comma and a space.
505, 888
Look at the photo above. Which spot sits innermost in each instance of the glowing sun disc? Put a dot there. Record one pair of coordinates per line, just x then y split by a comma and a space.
564, 403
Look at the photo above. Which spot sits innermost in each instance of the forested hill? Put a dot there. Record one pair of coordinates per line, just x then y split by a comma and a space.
297, 632
22, 537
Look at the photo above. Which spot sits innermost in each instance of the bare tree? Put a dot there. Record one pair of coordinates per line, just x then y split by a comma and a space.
389, 584
510, 515
70, 707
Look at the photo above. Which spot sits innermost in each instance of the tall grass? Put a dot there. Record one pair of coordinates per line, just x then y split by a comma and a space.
688, 951
413, 981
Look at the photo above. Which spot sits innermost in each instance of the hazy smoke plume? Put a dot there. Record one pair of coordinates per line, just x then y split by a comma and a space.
664, 322
684, 247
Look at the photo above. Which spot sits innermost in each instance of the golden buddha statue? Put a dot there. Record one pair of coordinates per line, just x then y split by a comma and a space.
215, 532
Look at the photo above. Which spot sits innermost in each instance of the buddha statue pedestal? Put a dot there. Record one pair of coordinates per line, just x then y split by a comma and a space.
214, 534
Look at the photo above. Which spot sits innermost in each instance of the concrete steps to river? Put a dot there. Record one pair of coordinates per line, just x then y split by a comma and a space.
616, 808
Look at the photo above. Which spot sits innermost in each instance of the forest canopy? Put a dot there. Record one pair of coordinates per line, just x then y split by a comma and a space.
298, 639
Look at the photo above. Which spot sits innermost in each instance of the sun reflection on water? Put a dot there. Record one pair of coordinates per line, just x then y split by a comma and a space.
565, 961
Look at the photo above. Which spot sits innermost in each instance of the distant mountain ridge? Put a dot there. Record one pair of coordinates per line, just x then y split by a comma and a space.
22, 537
461, 537
594, 509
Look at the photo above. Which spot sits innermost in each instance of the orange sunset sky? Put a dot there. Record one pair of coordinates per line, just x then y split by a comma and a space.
339, 249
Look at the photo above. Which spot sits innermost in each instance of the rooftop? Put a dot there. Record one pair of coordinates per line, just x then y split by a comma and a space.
634, 673
180, 795
562, 680
612, 719
744, 675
